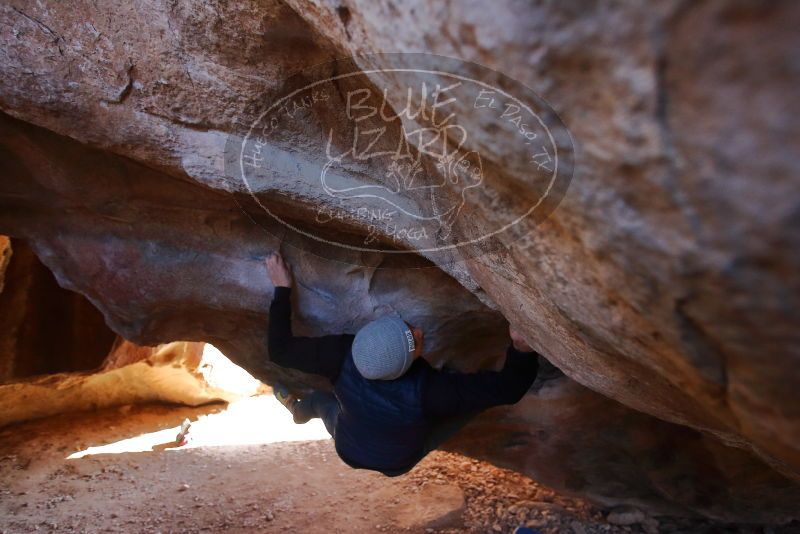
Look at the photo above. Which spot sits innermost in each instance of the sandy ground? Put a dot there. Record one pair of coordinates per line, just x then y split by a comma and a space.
248, 469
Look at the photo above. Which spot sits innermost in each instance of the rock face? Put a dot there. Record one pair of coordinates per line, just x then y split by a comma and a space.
5, 258
664, 280
44, 328
179, 372
567, 436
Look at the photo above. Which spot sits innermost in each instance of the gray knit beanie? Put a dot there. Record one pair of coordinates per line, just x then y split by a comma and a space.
384, 349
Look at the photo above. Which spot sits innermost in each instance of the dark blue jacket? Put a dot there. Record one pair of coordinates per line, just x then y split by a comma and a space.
384, 425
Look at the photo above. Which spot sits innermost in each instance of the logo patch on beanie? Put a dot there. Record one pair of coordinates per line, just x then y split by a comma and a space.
410, 339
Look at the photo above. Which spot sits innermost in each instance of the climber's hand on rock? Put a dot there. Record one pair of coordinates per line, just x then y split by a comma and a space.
279, 271
516, 339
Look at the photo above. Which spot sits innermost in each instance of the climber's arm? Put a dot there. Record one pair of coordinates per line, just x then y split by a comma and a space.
317, 355
449, 394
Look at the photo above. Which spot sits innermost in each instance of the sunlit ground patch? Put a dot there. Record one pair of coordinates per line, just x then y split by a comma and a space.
252, 421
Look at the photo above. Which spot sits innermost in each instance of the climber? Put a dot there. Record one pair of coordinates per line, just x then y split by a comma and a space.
389, 407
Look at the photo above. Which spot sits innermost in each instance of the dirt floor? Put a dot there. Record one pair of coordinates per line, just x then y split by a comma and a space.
248, 469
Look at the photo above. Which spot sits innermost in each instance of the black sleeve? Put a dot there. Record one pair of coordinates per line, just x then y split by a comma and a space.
448, 394
316, 355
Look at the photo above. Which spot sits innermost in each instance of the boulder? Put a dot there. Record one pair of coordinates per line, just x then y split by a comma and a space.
569, 437
663, 281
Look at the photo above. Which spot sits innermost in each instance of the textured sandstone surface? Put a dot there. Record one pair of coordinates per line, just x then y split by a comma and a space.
665, 279
5, 258
44, 328
179, 372
569, 437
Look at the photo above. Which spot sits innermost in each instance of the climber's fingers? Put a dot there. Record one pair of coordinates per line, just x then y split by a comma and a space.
518, 341
279, 271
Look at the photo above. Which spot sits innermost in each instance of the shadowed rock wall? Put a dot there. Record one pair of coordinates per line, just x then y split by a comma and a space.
44, 328
567, 436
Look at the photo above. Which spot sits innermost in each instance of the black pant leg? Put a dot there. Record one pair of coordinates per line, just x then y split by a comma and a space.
320, 404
